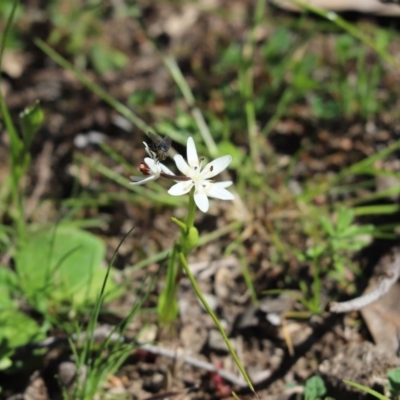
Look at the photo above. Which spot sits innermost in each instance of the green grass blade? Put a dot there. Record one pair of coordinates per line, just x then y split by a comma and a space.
349, 28
216, 321
367, 390
16, 143
379, 209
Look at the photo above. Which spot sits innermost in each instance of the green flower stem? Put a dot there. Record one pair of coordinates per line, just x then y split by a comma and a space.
19, 208
215, 319
167, 304
192, 212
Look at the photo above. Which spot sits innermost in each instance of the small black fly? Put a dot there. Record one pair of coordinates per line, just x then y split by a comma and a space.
160, 146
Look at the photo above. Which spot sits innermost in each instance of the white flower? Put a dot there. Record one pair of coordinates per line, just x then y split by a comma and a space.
200, 178
150, 167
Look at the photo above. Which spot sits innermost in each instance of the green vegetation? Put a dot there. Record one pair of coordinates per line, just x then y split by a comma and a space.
314, 388
269, 84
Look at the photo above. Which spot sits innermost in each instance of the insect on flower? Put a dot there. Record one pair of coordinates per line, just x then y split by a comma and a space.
160, 146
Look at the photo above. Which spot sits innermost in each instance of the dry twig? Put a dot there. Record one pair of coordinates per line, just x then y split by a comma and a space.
106, 331
383, 287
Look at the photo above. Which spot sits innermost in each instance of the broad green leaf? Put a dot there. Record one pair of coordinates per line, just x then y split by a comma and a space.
61, 266
17, 329
394, 381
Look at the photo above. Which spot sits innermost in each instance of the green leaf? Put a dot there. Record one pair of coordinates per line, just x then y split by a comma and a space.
17, 329
31, 120
324, 109
345, 47
327, 226
366, 389
142, 98
192, 239
315, 252
354, 231
314, 388
394, 381
303, 288
354, 244
345, 218
7, 284
301, 257
61, 266
379, 209
184, 121
232, 56
167, 307
105, 59
5, 353
178, 222
5, 363
277, 46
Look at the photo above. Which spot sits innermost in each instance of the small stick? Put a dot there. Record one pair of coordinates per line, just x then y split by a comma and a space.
383, 287
105, 331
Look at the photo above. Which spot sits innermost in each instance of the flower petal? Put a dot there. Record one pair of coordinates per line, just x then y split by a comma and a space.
154, 166
218, 191
182, 165
180, 188
224, 184
149, 151
166, 170
201, 201
215, 167
137, 180
191, 151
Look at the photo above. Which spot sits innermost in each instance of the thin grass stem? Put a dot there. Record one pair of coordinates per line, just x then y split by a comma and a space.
216, 321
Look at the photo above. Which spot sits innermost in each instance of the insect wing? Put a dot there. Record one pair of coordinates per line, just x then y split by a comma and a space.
166, 143
160, 146
155, 139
